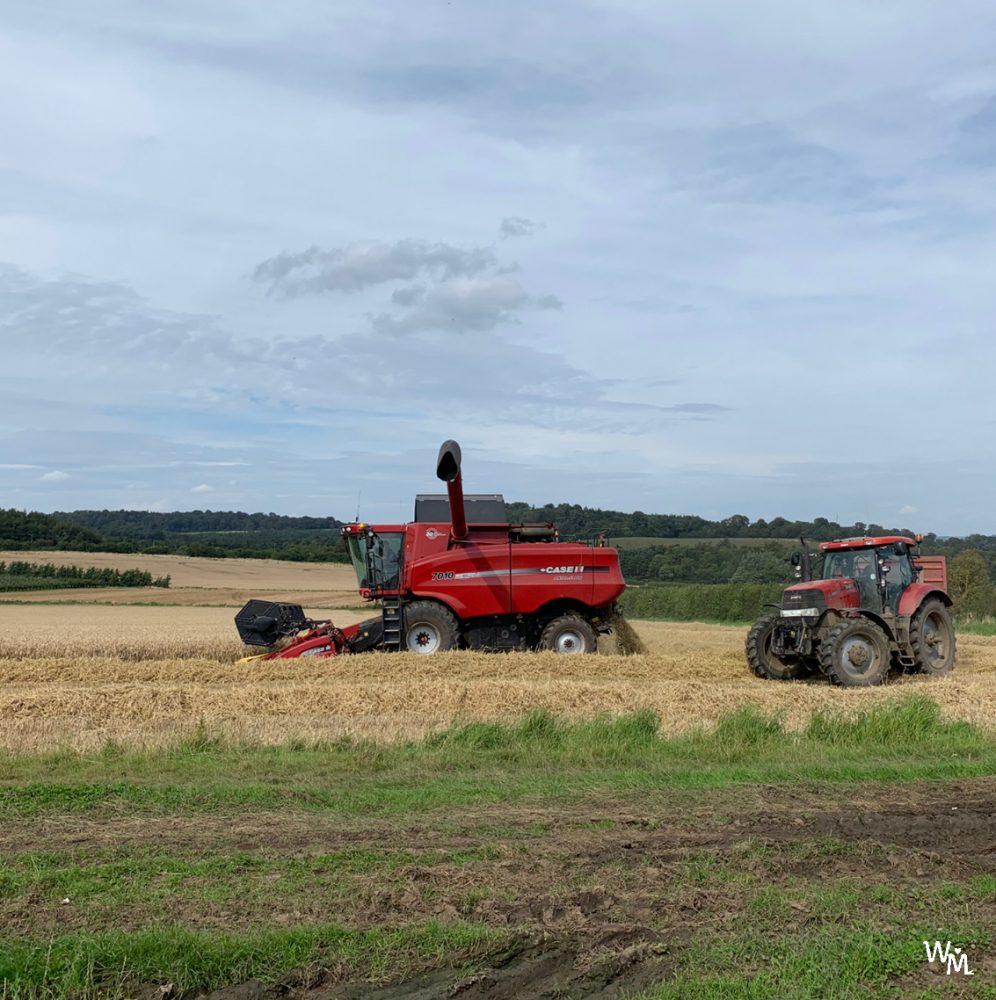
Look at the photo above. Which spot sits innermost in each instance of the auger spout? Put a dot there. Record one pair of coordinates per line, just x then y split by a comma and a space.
448, 470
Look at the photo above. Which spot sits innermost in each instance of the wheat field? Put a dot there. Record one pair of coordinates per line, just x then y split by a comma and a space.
78, 676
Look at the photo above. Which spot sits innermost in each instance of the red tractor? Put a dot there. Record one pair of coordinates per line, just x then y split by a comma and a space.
879, 605
448, 580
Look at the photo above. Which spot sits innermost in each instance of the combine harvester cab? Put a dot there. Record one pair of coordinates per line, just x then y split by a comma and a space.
879, 605
460, 576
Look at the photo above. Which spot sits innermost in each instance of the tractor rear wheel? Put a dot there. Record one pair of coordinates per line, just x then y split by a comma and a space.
762, 661
856, 654
932, 639
569, 634
429, 628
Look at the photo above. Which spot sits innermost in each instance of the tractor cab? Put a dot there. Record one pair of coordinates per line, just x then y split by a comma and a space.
881, 568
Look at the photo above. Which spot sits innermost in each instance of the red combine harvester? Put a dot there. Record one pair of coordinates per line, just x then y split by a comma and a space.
879, 604
458, 576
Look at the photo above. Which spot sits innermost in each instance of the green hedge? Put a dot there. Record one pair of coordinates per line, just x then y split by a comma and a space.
706, 602
17, 576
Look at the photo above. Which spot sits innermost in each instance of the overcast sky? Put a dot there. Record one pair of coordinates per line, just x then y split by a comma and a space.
714, 259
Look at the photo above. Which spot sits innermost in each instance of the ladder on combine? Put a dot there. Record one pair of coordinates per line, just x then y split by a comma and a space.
391, 615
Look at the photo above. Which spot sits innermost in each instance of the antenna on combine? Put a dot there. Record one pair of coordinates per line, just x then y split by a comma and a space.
359, 493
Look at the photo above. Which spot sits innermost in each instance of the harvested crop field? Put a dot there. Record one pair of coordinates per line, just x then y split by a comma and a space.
77, 676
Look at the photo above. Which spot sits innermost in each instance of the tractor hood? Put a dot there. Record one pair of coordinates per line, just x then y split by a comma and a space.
816, 596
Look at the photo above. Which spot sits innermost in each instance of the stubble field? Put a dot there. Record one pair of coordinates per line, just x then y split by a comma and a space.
75, 676
173, 822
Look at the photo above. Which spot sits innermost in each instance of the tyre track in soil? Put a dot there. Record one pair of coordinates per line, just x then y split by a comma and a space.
606, 941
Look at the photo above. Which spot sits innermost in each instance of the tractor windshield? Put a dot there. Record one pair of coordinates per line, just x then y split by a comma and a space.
857, 565
376, 559
849, 564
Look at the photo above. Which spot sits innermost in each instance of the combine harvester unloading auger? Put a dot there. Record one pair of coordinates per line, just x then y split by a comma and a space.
460, 576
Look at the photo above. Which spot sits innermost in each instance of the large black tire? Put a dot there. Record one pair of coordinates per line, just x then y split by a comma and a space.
856, 654
932, 639
429, 628
764, 663
568, 634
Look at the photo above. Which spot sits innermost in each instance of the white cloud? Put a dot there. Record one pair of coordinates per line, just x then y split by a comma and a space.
515, 225
202, 488
55, 476
362, 264
908, 509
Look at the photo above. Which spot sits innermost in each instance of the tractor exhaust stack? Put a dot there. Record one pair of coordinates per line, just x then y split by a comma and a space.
448, 470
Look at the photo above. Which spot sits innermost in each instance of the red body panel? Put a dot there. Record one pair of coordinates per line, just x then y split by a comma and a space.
317, 642
934, 570
865, 543
837, 593
311, 645
487, 573
914, 595
472, 578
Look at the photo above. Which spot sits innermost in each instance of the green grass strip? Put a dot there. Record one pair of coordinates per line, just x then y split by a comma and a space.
90, 966
852, 959
481, 763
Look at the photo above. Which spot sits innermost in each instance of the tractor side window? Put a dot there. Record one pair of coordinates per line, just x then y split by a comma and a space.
904, 571
897, 573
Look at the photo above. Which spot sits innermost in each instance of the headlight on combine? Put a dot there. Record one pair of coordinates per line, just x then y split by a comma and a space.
800, 612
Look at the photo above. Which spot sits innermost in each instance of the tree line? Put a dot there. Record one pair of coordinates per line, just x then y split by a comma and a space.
29, 530
587, 522
263, 536
157, 526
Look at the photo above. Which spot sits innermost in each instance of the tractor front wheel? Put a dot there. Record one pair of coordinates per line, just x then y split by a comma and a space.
762, 661
856, 654
569, 634
429, 628
932, 639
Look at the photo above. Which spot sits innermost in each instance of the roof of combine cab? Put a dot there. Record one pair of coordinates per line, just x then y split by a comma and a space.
866, 542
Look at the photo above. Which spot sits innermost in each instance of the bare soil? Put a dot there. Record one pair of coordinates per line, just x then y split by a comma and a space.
600, 896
